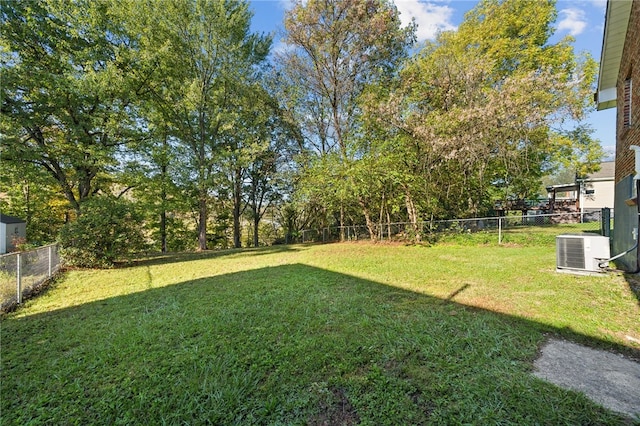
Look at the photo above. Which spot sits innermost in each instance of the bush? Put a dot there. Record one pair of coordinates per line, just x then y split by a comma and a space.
107, 230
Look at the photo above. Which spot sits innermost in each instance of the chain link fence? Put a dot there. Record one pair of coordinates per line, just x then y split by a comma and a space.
23, 273
598, 221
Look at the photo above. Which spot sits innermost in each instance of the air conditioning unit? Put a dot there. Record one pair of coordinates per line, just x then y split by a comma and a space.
581, 253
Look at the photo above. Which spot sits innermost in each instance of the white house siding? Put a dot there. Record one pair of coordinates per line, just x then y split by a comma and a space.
3, 238
601, 196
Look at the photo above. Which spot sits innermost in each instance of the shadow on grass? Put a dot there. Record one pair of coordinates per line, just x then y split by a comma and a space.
281, 345
634, 284
167, 258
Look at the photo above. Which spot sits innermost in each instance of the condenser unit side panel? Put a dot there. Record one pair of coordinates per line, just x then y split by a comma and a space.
598, 252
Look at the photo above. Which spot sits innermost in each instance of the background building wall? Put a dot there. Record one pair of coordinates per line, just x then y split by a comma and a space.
601, 197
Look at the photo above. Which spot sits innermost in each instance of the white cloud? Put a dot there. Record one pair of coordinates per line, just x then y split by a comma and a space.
288, 4
573, 20
431, 18
280, 47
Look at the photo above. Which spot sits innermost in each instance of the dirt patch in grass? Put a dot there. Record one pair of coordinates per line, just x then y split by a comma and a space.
335, 409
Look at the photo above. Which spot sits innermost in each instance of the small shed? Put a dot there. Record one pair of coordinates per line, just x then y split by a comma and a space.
11, 228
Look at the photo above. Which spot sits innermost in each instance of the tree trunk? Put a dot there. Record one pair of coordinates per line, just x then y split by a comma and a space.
380, 224
163, 198
163, 230
371, 226
27, 199
388, 224
341, 222
202, 224
413, 216
256, 224
237, 205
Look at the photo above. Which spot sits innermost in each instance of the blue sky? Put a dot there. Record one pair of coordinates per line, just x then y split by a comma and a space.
583, 19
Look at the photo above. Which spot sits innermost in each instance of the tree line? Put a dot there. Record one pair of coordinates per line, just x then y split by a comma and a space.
166, 125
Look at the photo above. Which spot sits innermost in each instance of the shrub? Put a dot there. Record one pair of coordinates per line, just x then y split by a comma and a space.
107, 230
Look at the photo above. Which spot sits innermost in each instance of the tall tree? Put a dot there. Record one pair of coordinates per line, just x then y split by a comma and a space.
260, 144
477, 111
206, 51
576, 150
274, 144
154, 175
338, 48
67, 97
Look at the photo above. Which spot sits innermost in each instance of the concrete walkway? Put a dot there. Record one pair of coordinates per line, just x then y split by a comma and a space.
609, 379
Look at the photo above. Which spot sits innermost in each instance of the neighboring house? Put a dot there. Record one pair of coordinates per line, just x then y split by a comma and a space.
593, 193
11, 228
597, 189
619, 86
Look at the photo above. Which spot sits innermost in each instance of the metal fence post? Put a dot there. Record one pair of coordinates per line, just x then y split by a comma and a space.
50, 252
31, 267
605, 218
18, 278
499, 230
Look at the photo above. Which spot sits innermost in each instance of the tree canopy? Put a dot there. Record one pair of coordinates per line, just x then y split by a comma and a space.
176, 111
67, 96
478, 114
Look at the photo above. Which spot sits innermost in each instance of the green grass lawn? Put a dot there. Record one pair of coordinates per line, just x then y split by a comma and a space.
351, 333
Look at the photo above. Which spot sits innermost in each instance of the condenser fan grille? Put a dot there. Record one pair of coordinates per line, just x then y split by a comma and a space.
571, 253
582, 253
